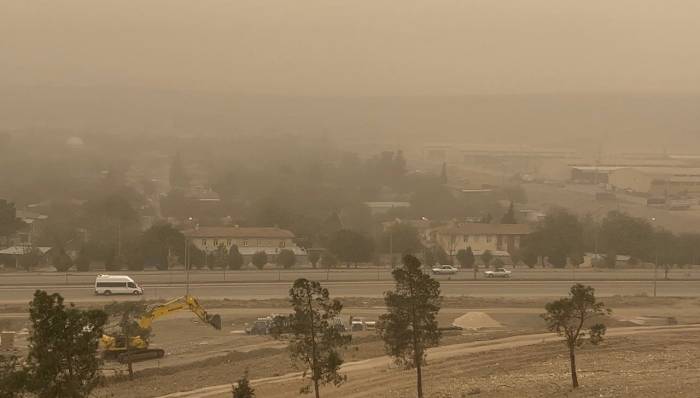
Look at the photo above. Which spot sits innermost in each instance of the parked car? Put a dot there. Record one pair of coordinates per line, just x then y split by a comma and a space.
497, 273
444, 270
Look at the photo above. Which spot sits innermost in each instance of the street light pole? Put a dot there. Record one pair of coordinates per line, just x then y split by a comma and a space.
656, 257
187, 268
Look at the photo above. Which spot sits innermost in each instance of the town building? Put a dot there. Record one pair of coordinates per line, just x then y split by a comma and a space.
384, 207
499, 239
248, 240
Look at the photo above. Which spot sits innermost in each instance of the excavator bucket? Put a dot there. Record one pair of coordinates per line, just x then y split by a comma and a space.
215, 320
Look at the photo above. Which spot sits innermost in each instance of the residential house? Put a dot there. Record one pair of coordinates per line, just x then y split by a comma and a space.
499, 239
248, 240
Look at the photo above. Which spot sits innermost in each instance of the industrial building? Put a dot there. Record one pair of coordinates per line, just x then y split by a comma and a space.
658, 181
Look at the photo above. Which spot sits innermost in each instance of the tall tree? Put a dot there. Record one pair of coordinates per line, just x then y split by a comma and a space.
486, 258
9, 223
82, 262
328, 260
558, 237
571, 317
350, 247
62, 359
314, 337
410, 326
623, 234
159, 243
509, 217
178, 175
401, 238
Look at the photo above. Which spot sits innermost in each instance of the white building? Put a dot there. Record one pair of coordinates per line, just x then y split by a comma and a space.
248, 240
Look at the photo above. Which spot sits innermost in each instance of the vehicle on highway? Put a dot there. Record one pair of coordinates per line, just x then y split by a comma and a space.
497, 273
444, 270
116, 284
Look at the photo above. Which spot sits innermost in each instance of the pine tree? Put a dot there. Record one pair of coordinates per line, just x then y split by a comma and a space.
314, 338
242, 389
410, 326
509, 217
569, 317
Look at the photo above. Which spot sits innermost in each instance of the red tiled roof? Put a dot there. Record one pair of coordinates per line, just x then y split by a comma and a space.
485, 229
238, 232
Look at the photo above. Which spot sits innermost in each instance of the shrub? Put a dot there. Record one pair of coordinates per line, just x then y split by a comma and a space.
259, 259
286, 258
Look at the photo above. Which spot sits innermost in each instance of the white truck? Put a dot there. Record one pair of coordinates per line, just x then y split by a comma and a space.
116, 284
497, 273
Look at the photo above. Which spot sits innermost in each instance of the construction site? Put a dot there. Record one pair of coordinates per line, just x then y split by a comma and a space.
490, 348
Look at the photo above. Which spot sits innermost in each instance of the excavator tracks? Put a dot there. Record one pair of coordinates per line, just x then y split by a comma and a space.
141, 355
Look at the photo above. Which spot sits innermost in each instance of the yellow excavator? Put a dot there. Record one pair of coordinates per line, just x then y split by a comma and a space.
114, 347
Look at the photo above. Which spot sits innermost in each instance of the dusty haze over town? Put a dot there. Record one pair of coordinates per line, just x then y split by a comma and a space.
350, 198
621, 74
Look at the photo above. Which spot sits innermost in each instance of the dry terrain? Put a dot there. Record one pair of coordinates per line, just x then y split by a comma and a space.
501, 351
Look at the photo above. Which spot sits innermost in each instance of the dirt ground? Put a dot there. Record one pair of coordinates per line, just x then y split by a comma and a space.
198, 356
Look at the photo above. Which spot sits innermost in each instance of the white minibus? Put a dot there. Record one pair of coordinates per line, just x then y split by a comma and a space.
116, 284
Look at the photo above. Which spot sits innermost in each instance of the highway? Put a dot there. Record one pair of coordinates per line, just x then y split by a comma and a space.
265, 290
335, 275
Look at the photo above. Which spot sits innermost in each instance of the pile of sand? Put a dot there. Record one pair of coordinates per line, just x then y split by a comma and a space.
476, 320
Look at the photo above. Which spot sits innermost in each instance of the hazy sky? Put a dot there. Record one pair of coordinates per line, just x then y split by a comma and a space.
354, 47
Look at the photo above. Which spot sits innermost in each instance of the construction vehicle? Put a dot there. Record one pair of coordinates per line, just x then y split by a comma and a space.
114, 347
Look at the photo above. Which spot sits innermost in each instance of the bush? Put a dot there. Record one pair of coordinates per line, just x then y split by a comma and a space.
314, 257
242, 389
235, 259
286, 258
259, 259
466, 258
328, 260
62, 261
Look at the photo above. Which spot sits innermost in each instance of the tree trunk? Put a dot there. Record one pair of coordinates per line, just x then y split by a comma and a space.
316, 387
419, 380
572, 357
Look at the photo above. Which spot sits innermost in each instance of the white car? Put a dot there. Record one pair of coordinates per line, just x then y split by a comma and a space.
498, 273
444, 270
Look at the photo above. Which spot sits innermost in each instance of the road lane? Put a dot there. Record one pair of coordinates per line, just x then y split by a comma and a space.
245, 291
338, 274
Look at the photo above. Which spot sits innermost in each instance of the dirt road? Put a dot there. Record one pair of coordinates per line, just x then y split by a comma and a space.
437, 354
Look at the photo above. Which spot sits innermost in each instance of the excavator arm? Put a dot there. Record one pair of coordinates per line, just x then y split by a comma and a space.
186, 302
115, 346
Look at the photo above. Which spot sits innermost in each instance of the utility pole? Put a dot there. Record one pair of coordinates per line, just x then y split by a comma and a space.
187, 268
391, 246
